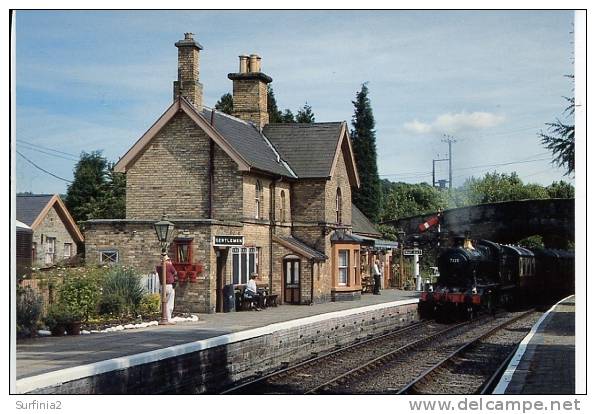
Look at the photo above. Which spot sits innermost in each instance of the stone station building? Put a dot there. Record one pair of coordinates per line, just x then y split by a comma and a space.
283, 191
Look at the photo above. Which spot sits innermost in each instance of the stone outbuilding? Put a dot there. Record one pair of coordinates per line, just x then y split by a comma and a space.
56, 236
244, 195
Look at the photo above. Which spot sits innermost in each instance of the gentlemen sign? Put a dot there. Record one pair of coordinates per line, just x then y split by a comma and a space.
228, 240
412, 252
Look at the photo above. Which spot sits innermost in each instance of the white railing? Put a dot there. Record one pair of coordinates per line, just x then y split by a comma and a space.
150, 283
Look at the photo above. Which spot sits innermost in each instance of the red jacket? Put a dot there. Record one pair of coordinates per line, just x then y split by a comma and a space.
170, 273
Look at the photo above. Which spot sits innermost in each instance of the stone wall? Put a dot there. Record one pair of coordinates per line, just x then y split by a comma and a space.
339, 180
227, 188
171, 175
250, 101
308, 201
214, 369
52, 226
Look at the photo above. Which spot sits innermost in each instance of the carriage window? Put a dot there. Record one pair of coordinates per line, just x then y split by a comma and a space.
245, 260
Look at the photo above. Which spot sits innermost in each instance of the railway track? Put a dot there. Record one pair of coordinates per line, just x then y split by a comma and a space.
474, 367
302, 377
399, 369
336, 372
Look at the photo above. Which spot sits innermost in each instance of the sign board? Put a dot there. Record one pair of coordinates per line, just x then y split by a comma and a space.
412, 252
228, 240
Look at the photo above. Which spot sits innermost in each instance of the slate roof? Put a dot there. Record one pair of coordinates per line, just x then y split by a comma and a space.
361, 224
29, 206
301, 248
308, 148
246, 139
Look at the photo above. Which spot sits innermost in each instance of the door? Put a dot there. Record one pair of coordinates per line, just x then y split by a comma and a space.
220, 271
292, 280
50, 250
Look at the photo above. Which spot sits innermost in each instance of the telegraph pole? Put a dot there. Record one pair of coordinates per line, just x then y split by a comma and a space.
449, 140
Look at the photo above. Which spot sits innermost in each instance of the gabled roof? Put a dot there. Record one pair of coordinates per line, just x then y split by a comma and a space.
362, 225
300, 248
239, 139
32, 210
312, 150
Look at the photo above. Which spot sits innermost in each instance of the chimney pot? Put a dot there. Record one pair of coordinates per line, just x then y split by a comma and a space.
254, 63
188, 36
243, 63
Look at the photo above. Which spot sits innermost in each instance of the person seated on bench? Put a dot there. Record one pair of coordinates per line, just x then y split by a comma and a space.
251, 292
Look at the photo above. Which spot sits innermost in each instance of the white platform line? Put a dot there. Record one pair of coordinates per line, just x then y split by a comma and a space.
28, 384
521, 349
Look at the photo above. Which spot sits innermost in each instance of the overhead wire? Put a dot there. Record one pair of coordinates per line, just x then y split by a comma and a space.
42, 169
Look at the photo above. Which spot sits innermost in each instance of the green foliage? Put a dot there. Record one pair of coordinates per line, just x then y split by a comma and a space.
560, 189
79, 295
275, 115
404, 200
57, 314
305, 115
124, 282
287, 117
225, 104
531, 242
29, 307
559, 137
368, 197
150, 304
111, 304
96, 191
495, 187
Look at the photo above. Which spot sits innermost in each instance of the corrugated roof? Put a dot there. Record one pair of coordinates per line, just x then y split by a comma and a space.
308, 148
361, 224
246, 139
29, 206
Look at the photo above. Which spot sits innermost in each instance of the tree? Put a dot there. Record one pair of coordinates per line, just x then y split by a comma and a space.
495, 187
287, 117
405, 200
561, 189
305, 115
96, 191
275, 115
225, 104
368, 197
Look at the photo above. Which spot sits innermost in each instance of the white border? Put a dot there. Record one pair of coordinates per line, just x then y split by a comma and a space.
521, 349
29, 384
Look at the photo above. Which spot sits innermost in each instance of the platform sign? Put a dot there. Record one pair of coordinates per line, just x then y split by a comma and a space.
412, 252
223, 241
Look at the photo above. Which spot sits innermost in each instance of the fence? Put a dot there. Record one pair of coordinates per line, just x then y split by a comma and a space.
150, 283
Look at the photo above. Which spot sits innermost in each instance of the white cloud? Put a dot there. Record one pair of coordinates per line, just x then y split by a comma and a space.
455, 122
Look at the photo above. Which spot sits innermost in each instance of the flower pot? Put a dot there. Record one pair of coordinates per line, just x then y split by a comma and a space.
57, 330
73, 328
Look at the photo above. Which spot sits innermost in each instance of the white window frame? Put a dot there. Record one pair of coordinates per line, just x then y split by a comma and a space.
258, 193
50, 250
109, 252
341, 267
69, 246
241, 278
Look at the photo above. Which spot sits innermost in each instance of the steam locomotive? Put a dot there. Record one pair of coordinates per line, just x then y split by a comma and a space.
482, 275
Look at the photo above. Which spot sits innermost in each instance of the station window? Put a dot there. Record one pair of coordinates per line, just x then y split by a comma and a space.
245, 260
338, 206
67, 250
282, 209
258, 199
108, 256
343, 268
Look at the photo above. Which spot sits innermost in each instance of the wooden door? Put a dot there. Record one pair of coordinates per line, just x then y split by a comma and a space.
222, 258
292, 280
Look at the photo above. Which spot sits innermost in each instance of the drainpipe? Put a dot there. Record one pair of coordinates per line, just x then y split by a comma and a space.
211, 175
271, 227
312, 281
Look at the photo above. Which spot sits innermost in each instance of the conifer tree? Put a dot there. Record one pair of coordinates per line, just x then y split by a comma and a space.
225, 104
368, 197
305, 115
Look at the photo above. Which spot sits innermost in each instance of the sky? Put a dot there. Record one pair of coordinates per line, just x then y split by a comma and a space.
97, 80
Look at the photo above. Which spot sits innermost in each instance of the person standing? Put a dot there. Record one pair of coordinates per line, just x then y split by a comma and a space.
170, 287
377, 277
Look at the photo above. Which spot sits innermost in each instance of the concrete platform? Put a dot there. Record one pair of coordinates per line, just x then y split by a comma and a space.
42, 362
545, 360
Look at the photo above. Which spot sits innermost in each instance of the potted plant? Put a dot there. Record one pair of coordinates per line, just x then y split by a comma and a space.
73, 320
56, 319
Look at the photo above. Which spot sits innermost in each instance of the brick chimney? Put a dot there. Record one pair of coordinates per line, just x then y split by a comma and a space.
188, 84
250, 91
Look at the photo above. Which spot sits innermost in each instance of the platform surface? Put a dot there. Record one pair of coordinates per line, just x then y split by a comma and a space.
42, 355
548, 363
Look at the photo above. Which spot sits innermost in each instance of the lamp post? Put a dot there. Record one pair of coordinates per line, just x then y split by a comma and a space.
401, 236
164, 230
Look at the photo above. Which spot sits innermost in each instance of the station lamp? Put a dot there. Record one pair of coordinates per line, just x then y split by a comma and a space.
165, 231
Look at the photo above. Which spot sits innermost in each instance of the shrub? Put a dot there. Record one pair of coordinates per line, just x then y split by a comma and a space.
124, 282
150, 304
111, 304
57, 314
79, 295
29, 306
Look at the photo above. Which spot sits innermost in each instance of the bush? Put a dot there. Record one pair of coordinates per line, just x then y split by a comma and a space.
57, 314
29, 306
111, 304
79, 295
150, 304
124, 282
